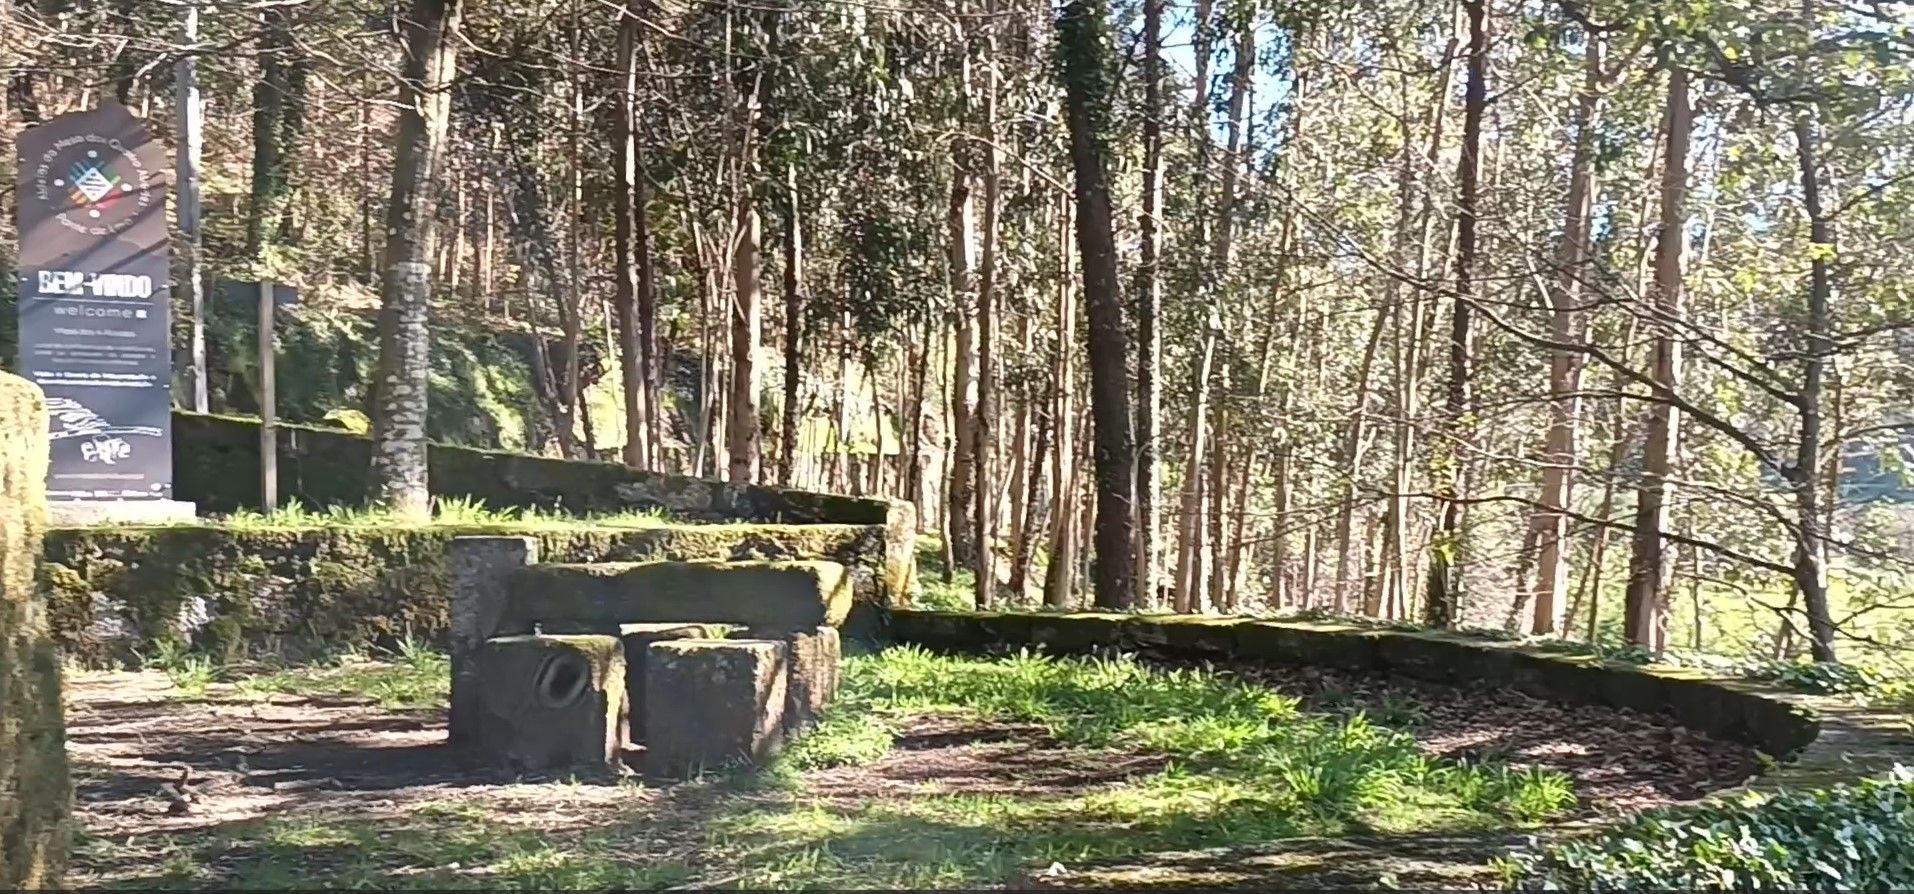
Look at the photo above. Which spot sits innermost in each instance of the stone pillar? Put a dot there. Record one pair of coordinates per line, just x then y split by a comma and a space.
479, 568
36, 795
712, 703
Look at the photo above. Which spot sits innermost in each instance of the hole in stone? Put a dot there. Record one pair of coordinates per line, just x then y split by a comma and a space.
561, 680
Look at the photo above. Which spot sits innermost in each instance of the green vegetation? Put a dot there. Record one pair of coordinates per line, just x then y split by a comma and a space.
1219, 763
451, 511
412, 676
1844, 838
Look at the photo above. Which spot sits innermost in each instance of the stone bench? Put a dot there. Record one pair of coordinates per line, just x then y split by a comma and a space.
701, 663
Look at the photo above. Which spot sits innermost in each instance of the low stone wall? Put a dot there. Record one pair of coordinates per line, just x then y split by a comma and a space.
35, 795
1778, 723
216, 466
292, 592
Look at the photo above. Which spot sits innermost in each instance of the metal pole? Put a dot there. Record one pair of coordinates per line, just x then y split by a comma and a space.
186, 87
268, 441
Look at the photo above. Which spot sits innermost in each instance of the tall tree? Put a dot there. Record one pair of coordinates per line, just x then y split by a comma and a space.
1083, 51
1444, 599
398, 418
1149, 303
631, 238
1572, 267
1651, 560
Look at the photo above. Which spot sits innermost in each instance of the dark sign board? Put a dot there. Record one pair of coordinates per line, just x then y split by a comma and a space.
238, 292
93, 303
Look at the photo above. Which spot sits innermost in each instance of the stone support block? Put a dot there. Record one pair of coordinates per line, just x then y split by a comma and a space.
812, 658
637, 640
553, 701
712, 703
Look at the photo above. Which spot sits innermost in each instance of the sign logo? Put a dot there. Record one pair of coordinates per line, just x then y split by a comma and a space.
92, 183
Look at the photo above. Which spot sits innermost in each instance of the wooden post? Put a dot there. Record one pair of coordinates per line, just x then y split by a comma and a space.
268, 442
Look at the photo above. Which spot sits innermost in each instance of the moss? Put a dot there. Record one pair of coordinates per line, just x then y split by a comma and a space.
35, 792
295, 592
1731, 709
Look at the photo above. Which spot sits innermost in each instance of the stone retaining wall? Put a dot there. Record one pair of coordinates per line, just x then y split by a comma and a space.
35, 795
292, 592
1778, 723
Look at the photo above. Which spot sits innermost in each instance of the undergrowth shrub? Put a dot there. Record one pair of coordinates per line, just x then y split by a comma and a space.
1849, 837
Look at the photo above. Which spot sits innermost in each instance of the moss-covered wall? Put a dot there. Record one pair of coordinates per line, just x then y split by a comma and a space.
35, 795
233, 592
1731, 709
216, 464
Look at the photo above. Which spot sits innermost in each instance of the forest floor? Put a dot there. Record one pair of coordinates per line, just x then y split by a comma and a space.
931, 772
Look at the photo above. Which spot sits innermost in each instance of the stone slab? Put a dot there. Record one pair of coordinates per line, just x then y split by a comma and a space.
712, 703
787, 596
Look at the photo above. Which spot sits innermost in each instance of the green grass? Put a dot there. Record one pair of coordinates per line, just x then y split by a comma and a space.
411, 677
1241, 765
448, 511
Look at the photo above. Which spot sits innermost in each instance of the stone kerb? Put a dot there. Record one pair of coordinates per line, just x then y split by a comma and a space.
35, 791
1777, 722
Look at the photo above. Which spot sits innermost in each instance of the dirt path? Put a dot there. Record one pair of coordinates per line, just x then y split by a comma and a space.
249, 761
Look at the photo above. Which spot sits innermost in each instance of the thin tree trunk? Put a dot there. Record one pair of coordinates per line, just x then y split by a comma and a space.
1443, 608
963, 386
985, 420
1551, 522
1811, 536
1149, 305
747, 320
1064, 483
794, 330
1651, 558
627, 213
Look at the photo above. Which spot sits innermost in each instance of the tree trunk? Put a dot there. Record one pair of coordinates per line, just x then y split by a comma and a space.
628, 214
963, 386
985, 420
398, 418
1189, 561
1550, 524
1148, 306
747, 319
1059, 577
278, 126
794, 332
1811, 536
1443, 608
1651, 559
1083, 46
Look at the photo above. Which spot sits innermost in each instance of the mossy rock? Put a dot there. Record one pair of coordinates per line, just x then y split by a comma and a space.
35, 791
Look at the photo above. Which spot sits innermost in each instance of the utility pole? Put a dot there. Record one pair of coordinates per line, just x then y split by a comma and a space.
186, 87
